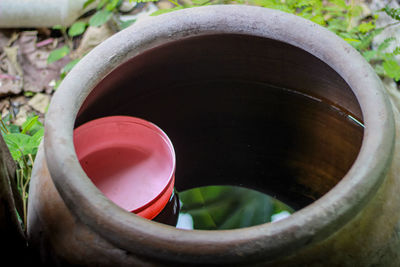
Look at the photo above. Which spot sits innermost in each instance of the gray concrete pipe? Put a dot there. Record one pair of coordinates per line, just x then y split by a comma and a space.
39, 13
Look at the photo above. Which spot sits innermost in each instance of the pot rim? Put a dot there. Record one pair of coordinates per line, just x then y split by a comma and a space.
267, 241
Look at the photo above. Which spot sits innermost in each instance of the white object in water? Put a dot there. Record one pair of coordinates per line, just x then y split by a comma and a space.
280, 216
185, 221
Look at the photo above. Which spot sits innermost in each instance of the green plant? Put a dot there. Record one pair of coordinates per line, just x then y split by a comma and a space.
343, 18
385, 62
23, 143
107, 9
58, 54
63, 51
346, 20
193, 3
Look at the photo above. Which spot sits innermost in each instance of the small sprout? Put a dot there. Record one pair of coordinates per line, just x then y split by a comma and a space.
101, 17
77, 29
58, 54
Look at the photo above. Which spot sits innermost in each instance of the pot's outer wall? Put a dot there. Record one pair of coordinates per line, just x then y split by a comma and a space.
13, 237
355, 224
60, 238
372, 238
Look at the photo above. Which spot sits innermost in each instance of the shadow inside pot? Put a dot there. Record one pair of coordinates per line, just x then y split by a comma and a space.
240, 110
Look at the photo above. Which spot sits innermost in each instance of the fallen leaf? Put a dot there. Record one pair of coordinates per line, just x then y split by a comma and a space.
3, 40
4, 105
18, 100
15, 67
92, 37
8, 86
13, 38
37, 72
165, 5
39, 102
11, 81
22, 115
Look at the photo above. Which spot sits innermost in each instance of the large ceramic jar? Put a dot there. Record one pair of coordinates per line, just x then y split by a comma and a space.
249, 96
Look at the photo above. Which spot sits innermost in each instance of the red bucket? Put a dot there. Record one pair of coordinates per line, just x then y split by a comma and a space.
130, 160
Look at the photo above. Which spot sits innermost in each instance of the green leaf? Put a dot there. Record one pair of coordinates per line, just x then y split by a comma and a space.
392, 12
14, 151
167, 10
351, 40
87, 3
366, 27
37, 137
370, 55
126, 24
385, 44
392, 69
58, 27
334, 11
35, 128
101, 4
339, 3
366, 40
29, 123
20, 145
280, 7
200, 2
305, 3
29, 93
356, 11
9, 129
318, 19
100, 17
12, 128
336, 25
58, 54
379, 70
396, 51
70, 65
77, 29
112, 5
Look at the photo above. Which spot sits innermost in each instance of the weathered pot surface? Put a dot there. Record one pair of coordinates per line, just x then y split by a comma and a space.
354, 221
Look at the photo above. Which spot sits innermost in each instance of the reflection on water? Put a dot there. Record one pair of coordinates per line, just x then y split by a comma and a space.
228, 207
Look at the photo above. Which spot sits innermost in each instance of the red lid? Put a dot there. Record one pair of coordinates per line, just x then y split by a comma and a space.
130, 160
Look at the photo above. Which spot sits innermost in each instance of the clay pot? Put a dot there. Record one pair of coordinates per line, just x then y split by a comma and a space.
249, 96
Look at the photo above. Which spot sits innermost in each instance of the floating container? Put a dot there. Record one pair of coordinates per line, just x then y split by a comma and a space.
130, 160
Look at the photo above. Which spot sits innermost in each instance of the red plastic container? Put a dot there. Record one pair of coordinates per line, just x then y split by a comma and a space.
130, 160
